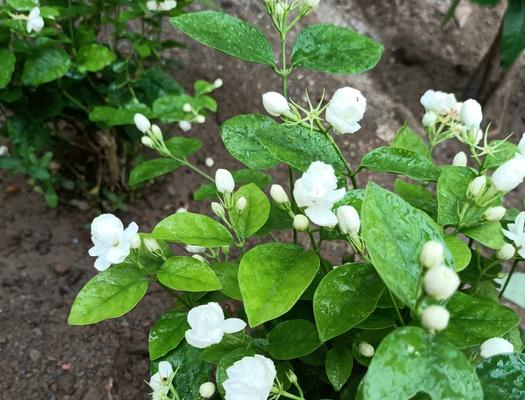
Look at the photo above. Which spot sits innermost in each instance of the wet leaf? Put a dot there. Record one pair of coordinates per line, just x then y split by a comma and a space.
451, 191
7, 67
339, 363
167, 333
460, 251
151, 169
407, 139
488, 234
45, 65
293, 339
503, 377
227, 274
418, 196
188, 274
256, 213
94, 57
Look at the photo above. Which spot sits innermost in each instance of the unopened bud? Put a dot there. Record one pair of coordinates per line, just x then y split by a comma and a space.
218, 83
187, 108
151, 245
460, 159
300, 223
224, 181
429, 119
495, 213
200, 258
217, 209
275, 104
366, 349
278, 194
146, 141
156, 133
441, 282
477, 187
241, 204
494, 346
207, 390
432, 254
506, 252
195, 249
185, 125
435, 318
141, 122
349, 221
135, 242
201, 119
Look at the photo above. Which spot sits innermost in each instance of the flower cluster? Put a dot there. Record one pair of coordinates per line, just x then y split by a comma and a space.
158, 6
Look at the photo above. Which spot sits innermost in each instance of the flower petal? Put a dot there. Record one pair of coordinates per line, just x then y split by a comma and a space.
322, 216
232, 325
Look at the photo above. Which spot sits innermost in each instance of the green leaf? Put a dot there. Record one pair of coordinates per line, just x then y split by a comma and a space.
195, 229
460, 251
293, 339
226, 34
188, 274
410, 360
339, 364
513, 36
94, 57
238, 135
515, 290
502, 377
418, 196
474, 320
45, 65
256, 213
352, 198
272, 277
394, 233
121, 116
167, 333
402, 162
183, 147
151, 169
109, 294
7, 67
330, 48
407, 139
345, 297
488, 234
242, 177
22, 5
299, 146
451, 191
227, 273
503, 151
228, 344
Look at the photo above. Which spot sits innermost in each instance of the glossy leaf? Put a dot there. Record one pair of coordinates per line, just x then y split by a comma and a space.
272, 277
183, 147
407, 139
94, 57
503, 377
167, 333
339, 363
227, 274
7, 67
151, 169
513, 36
488, 234
451, 191
418, 196
45, 65
256, 213
293, 338
460, 251
121, 116
188, 274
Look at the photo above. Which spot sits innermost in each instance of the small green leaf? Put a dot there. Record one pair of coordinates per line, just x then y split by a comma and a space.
188, 274
460, 251
121, 116
183, 147
167, 333
339, 364
407, 139
45, 65
451, 190
151, 169
418, 196
503, 377
94, 57
227, 274
7, 67
256, 213
513, 36
293, 339
488, 234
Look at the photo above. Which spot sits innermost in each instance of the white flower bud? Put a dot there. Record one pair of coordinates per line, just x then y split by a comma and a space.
181, 210
4, 151
312, 3
275, 104
494, 346
441, 282
142, 123
477, 186
165, 370
349, 221
187, 108
301, 223
474, 136
509, 175
200, 119
135, 242
279, 9
435, 318
432, 254
224, 181
471, 114
495, 213
151, 245
241, 204
146, 141
506, 252
366, 349
156, 133
200, 258
152, 5
209, 162
207, 390
195, 249
185, 125
460, 159
218, 83
279, 195
439, 102
217, 209
168, 5
429, 119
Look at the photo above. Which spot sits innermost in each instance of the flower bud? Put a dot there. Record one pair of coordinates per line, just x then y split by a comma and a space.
218, 83
494, 346
217, 209
209, 162
187, 108
142, 123
201, 119
165, 370
441, 282
312, 3
435, 318
279, 195
156, 132
275, 104
4, 151
460, 159
152, 5
185, 125
151, 245
471, 114
476, 187
474, 136
200, 258
432, 254
195, 249
301, 223
366, 349
135, 242
429, 119
241, 204
349, 221
495, 213
224, 181
506, 252
146, 141
509, 175
279, 11
207, 390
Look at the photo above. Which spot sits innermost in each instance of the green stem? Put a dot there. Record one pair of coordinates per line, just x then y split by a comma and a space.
312, 239
291, 396
397, 308
514, 265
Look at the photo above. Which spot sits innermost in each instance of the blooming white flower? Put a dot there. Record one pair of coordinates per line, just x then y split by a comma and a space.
516, 233
250, 378
506, 252
209, 162
275, 104
471, 114
207, 390
142, 123
112, 243
317, 191
349, 221
439, 102
300, 223
224, 181
435, 318
494, 346
185, 125
151, 245
432, 254
495, 213
278, 194
161, 380
167, 5
441, 282
241, 204
510, 174
346, 108
195, 249
208, 325
477, 186
460, 159
366, 349
34, 21
429, 119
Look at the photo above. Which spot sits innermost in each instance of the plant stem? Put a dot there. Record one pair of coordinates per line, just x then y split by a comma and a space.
396, 307
291, 396
514, 265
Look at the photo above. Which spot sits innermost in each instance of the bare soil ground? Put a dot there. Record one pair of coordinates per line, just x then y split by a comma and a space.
43, 252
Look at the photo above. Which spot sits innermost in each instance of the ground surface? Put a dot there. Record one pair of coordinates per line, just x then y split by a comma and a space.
43, 252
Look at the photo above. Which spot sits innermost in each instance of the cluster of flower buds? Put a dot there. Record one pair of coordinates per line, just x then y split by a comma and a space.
301, 222
159, 6
152, 137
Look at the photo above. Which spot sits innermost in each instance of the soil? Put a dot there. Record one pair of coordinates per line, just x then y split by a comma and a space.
43, 252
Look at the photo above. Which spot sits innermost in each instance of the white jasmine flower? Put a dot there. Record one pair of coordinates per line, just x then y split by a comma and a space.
195, 249
432, 254
441, 282
349, 221
208, 325
167, 5
429, 119
460, 159
435, 318
151, 245
142, 123
477, 186
510, 174
439, 102
366, 349
185, 125
506, 252
207, 390
279, 195
241, 204
471, 114
224, 181
250, 378
218, 83
317, 191
346, 108
160, 381
112, 243
165, 369
494, 346
147, 141
275, 104
34, 21
516, 233
209, 162
300, 223
495, 213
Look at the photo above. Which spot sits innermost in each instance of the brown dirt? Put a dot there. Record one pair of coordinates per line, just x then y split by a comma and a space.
43, 252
